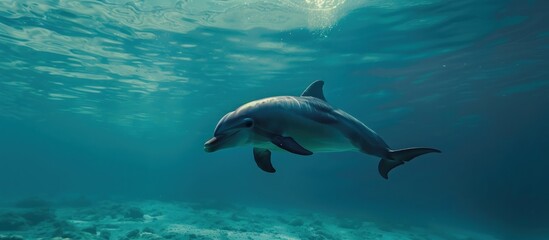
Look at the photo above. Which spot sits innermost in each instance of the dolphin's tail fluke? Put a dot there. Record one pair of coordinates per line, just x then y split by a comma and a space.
396, 158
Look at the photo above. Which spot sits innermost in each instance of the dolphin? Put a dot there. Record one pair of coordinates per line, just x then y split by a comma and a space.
303, 125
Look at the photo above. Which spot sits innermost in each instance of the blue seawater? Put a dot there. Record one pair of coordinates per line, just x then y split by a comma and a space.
106, 105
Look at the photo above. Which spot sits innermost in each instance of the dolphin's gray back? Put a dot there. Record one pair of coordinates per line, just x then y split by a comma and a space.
303, 105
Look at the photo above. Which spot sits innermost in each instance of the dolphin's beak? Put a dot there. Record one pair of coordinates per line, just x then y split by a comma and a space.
219, 142
209, 146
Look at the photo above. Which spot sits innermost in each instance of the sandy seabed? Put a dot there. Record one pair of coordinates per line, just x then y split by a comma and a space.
36, 219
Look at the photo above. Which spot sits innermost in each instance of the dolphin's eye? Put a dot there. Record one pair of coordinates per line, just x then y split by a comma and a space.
248, 122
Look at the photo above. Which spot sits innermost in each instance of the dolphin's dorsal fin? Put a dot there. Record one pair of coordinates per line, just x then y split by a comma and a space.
314, 90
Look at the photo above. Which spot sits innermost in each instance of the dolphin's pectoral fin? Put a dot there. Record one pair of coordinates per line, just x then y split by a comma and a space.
290, 145
263, 159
